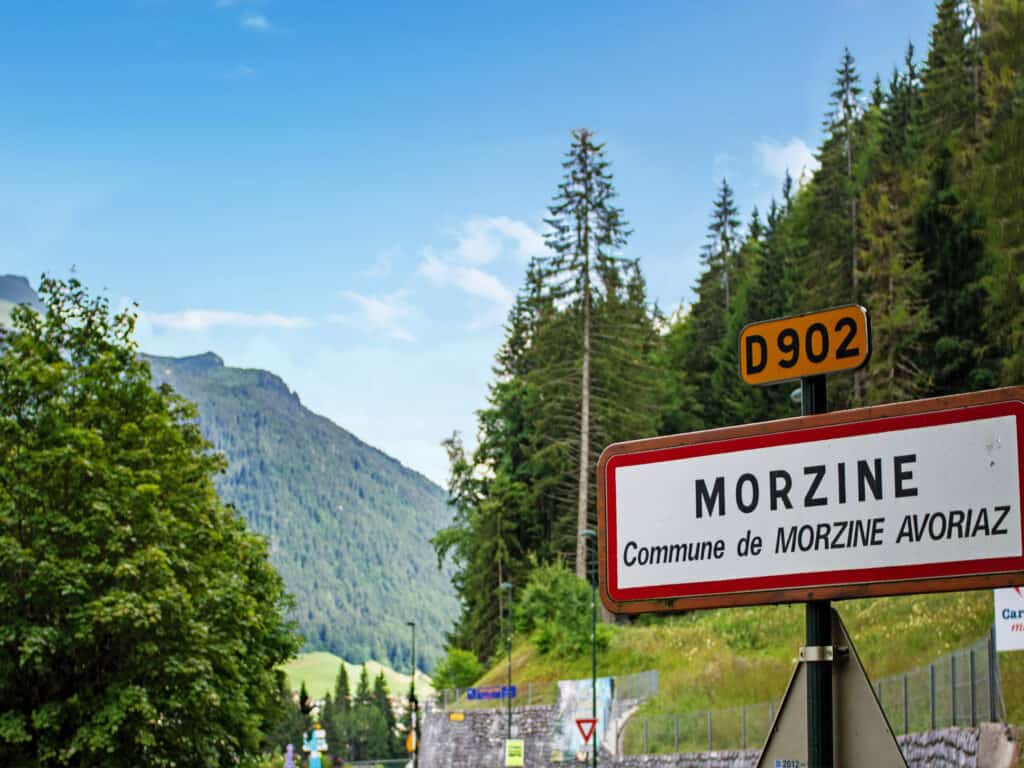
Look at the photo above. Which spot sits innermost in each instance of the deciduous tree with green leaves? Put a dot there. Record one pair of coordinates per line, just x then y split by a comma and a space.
458, 669
140, 622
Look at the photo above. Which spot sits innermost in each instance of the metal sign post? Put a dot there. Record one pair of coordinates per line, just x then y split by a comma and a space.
818, 652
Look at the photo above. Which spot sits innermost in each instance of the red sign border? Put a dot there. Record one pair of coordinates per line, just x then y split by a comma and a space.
592, 722
856, 582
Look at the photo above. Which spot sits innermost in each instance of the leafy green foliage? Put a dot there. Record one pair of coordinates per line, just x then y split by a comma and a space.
140, 622
346, 523
458, 669
555, 610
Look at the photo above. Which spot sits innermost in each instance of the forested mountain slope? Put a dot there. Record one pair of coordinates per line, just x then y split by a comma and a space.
349, 526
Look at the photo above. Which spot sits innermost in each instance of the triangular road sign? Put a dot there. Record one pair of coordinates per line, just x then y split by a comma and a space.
862, 736
586, 726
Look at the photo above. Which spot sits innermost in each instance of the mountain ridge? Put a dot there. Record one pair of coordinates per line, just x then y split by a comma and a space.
367, 568
348, 525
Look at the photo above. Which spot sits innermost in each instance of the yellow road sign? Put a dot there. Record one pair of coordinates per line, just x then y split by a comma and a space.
410, 742
514, 749
829, 341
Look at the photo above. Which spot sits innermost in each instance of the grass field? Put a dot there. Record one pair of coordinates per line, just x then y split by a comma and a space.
319, 670
736, 656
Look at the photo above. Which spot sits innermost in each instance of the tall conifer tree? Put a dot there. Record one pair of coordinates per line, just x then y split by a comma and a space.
587, 234
342, 694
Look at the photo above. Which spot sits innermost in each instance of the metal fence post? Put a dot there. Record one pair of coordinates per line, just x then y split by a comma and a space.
675, 733
931, 695
952, 684
743, 717
878, 690
771, 713
645, 735
906, 706
971, 675
710, 741
992, 675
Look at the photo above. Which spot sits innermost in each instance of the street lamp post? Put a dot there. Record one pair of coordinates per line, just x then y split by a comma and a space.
592, 535
506, 587
412, 700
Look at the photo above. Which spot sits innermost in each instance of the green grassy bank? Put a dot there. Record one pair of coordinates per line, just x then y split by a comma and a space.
739, 656
319, 670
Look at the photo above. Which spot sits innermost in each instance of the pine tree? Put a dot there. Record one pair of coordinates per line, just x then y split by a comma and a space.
902, 103
949, 221
894, 281
1001, 185
342, 694
706, 325
947, 101
587, 232
877, 97
738, 402
845, 112
363, 695
383, 704
723, 241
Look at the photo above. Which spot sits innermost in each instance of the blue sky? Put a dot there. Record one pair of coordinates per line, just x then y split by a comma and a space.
347, 193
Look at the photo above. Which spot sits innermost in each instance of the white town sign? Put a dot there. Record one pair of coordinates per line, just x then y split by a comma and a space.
912, 497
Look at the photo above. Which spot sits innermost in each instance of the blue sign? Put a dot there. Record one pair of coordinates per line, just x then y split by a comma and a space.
491, 692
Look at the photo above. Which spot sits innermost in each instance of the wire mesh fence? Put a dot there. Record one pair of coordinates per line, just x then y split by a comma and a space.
731, 728
961, 688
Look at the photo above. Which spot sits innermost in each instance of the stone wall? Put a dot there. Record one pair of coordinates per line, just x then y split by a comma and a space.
478, 742
479, 739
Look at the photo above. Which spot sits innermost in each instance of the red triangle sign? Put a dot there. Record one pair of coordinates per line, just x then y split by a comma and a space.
586, 726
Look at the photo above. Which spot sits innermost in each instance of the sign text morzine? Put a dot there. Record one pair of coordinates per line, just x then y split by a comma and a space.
913, 497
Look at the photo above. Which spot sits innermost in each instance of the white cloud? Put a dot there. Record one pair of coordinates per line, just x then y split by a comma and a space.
795, 156
482, 240
383, 314
255, 21
203, 319
470, 279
